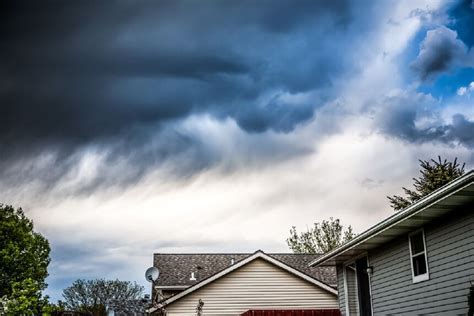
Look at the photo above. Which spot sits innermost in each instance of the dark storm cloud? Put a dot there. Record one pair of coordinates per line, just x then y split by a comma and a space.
118, 76
461, 130
274, 113
439, 52
410, 118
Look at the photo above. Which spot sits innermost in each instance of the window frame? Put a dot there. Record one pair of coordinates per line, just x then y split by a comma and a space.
346, 290
425, 276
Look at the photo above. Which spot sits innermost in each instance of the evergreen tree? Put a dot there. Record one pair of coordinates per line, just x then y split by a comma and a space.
434, 174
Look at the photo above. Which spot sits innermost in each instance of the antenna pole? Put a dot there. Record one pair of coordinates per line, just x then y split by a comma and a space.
155, 300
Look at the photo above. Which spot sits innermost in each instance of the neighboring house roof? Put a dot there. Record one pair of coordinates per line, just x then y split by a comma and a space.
257, 255
440, 202
175, 269
121, 307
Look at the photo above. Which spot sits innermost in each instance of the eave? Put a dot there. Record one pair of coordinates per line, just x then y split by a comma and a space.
440, 202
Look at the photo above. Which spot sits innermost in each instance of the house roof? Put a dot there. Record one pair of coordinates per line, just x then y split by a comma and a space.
175, 269
440, 202
257, 255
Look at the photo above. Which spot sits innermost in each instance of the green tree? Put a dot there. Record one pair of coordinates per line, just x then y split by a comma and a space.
434, 175
93, 296
26, 299
24, 259
323, 237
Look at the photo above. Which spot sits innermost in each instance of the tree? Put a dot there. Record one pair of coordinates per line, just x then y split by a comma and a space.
93, 296
323, 237
434, 175
24, 259
26, 299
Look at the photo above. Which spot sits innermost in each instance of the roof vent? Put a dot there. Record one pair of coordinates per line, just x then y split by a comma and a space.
232, 261
193, 277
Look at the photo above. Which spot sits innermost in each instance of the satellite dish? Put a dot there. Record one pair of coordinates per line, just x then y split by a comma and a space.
152, 274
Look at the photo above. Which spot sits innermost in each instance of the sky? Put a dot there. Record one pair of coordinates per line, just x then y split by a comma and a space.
137, 127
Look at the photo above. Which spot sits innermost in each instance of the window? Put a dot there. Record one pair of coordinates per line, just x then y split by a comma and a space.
419, 263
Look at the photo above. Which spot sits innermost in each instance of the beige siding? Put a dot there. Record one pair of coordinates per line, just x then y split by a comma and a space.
258, 284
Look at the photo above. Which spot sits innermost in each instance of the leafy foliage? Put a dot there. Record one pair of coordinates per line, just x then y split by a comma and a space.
24, 259
322, 238
54, 309
26, 299
93, 296
434, 174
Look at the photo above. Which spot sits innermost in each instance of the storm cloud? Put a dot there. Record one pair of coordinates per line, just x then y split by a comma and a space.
414, 117
81, 74
118, 82
440, 51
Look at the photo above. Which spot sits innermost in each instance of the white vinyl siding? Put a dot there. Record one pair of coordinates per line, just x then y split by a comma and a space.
256, 285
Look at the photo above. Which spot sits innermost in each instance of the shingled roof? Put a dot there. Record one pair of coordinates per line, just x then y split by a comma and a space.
175, 269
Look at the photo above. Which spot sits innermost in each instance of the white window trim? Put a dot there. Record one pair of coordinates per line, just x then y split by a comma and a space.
425, 276
346, 299
346, 289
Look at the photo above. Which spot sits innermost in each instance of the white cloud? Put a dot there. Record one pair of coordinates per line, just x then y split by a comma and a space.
465, 90
462, 91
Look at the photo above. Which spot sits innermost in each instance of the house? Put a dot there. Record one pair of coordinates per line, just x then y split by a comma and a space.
232, 284
418, 261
